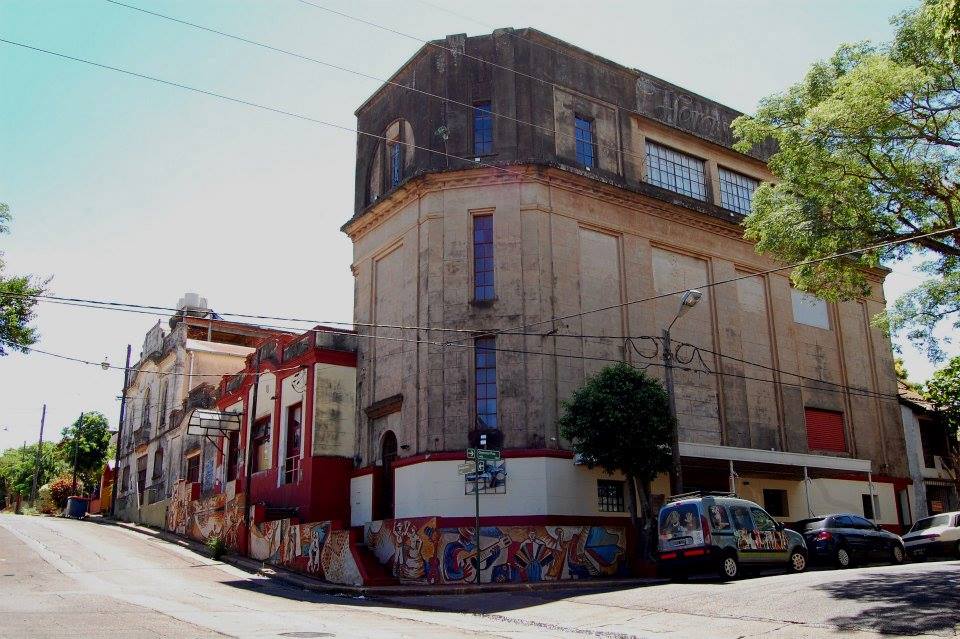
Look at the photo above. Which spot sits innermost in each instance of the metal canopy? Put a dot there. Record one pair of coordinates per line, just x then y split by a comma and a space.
206, 422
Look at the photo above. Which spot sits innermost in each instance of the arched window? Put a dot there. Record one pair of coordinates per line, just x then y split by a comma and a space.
145, 410
163, 404
391, 159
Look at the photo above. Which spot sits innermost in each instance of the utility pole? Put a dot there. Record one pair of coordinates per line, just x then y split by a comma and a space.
687, 301
248, 470
76, 448
676, 472
116, 461
36, 464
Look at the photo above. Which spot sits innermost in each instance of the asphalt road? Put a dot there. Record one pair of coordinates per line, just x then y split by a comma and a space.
64, 578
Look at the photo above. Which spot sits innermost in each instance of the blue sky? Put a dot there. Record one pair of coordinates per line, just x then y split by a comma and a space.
128, 190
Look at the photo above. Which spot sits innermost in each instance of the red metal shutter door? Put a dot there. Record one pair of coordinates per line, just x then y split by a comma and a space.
825, 430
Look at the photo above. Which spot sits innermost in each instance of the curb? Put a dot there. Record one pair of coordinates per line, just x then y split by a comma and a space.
393, 592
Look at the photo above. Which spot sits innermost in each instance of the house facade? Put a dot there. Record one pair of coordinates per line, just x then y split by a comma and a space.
180, 367
542, 223
934, 487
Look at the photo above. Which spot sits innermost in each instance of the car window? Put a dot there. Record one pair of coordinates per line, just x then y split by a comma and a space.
741, 518
842, 521
860, 522
720, 519
680, 526
813, 524
931, 522
763, 520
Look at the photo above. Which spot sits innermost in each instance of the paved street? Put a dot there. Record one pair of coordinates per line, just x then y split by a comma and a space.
64, 578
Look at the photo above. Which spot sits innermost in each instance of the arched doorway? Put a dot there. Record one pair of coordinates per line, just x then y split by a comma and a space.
388, 455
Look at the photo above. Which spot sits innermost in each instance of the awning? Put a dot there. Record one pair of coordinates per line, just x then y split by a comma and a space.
759, 456
206, 422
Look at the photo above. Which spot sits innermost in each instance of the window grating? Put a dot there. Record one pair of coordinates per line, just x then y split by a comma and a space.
482, 129
483, 257
485, 371
676, 171
610, 496
396, 168
583, 134
736, 191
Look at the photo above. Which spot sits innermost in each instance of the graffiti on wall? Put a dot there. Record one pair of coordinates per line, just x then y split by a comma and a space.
295, 546
201, 519
417, 551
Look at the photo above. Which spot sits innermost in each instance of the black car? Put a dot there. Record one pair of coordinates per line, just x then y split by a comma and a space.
845, 539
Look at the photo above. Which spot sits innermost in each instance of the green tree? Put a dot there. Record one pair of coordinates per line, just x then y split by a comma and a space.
16, 302
91, 437
620, 421
17, 466
943, 389
869, 151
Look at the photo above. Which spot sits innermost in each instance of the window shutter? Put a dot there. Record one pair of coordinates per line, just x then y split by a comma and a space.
825, 430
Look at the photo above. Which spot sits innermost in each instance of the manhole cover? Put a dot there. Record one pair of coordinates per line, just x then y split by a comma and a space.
306, 635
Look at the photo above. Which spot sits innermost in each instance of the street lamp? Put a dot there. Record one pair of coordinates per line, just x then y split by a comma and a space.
687, 301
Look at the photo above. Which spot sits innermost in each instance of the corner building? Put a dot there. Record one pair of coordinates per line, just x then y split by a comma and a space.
552, 183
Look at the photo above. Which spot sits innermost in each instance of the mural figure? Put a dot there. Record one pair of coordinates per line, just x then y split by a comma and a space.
316, 544
461, 560
408, 562
533, 556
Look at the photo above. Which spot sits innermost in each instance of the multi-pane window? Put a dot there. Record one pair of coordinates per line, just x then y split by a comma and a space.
610, 496
583, 134
485, 370
482, 129
483, 257
676, 171
736, 191
292, 463
396, 164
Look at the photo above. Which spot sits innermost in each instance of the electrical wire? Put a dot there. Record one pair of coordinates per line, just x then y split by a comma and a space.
617, 149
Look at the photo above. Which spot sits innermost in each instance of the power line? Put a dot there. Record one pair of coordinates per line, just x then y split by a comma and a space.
257, 105
738, 278
306, 58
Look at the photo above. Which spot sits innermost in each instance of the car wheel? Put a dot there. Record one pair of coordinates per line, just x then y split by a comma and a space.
898, 555
843, 558
729, 567
798, 560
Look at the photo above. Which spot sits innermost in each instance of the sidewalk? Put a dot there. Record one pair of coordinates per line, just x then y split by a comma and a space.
393, 591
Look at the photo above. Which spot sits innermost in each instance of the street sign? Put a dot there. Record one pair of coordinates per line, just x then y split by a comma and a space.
471, 453
488, 455
467, 467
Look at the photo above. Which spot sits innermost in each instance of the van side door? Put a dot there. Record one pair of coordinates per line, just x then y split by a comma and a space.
771, 539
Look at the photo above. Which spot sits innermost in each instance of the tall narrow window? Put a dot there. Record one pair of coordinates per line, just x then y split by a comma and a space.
482, 129
485, 370
193, 467
292, 463
396, 164
261, 444
145, 412
483, 257
164, 388
233, 454
583, 134
676, 171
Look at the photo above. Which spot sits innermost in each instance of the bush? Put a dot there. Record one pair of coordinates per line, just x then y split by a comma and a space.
45, 500
60, 490
217, 547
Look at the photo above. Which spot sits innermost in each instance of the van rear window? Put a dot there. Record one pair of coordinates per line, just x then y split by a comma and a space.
680, 526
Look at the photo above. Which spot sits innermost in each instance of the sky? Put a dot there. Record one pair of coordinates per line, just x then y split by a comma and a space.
128, 190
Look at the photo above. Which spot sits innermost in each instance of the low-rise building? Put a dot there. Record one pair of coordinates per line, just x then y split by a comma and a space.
179, 368
934, 487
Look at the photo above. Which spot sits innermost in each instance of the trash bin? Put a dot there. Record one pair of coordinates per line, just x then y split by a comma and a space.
77, 507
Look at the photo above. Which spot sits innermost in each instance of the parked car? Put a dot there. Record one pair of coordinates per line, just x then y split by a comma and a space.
701, 532
937, 535
845, 539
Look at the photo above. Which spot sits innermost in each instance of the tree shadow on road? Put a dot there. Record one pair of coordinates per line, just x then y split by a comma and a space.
906, 603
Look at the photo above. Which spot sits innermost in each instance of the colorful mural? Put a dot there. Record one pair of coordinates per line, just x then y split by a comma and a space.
419, 552
201, 519
294, 546
337, 562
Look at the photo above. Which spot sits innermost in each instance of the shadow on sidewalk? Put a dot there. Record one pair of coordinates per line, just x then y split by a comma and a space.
913, 603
